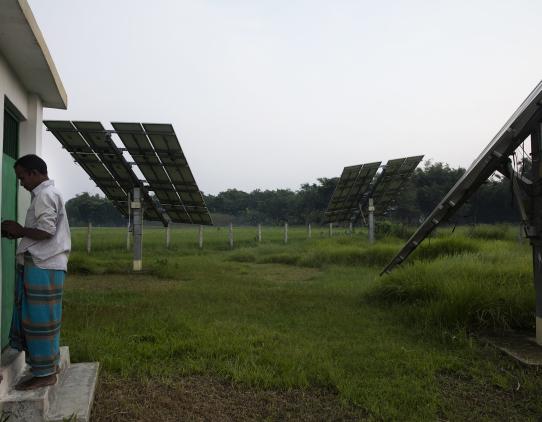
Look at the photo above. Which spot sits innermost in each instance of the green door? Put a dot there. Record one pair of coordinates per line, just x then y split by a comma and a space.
9, 212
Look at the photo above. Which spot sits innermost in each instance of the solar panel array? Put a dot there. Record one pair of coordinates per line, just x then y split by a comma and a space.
155, 150
352, 184
388, 185
359, 183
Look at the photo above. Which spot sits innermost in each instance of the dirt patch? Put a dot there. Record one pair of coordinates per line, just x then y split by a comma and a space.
464, 398
200, 398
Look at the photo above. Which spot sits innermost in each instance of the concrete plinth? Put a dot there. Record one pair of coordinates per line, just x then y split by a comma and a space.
70, 397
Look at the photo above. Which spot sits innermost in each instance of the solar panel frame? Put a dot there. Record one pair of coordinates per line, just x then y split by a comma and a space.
352, 185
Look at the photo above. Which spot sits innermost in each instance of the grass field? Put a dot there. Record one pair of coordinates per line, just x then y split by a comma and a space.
306, 330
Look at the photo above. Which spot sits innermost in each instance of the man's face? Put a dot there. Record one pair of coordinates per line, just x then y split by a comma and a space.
28, 179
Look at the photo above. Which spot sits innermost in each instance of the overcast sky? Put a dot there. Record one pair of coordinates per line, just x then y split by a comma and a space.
272, 94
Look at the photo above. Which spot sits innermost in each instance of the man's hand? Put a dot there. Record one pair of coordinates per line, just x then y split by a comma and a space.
12, 230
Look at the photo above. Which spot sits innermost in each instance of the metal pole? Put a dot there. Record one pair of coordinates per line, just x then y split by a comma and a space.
128, 234
200, 237
371, 221
259, 233
536, 221
330, 229
168, 235
230, 236
89, 237
285, 233
309, 231
138, 229
350, 229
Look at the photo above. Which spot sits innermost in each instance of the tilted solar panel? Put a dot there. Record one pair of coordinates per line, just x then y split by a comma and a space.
136, 142
99, 140
388, 184
75, 144
352, 185
156, 152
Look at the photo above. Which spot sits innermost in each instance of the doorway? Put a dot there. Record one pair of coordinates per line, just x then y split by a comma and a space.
9, 212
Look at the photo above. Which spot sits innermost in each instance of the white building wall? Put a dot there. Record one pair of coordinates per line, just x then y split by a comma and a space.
29, 109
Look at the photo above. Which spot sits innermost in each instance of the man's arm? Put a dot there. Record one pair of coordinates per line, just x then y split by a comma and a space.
14, 230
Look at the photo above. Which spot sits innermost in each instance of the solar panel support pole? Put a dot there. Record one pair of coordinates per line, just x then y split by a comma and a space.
89, 237
285, 233
138, 229
168, 235
309, 231
536, 221
259, 233
200, 237
128, 234
230, 235
371, 209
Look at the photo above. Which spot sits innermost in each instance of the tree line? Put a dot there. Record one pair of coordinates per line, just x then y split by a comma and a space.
492, 203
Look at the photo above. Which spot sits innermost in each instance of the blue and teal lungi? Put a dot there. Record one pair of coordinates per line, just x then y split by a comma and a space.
37, 316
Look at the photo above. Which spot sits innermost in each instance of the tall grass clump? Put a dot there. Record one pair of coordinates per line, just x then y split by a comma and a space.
462, 292
389, 229
376, 255
491, 232
446, 246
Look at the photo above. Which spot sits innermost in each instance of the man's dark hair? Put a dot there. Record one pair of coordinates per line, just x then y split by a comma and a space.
32, 162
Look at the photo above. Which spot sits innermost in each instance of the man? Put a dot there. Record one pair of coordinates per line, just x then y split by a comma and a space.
42, 258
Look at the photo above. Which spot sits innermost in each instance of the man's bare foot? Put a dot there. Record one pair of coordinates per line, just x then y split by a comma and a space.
36, 382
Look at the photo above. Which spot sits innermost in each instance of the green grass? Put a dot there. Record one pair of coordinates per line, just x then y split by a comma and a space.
311, 314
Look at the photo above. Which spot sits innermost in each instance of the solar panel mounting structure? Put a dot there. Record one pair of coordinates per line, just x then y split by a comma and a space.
156, 151
359, 187
386, 187
525, 122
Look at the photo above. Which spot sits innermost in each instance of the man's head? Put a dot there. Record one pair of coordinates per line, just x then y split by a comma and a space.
31, 170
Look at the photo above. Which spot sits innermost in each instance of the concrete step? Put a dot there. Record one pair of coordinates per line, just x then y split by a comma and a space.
12, 366
75, 394
31, 405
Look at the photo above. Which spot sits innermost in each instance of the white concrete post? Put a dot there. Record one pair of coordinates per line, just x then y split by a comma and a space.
330, 229
168, 235
89, 237
128, 234
371, 221
285, 233
259, 233
230, 235
138, 230
309, 231
128, 237
200, 237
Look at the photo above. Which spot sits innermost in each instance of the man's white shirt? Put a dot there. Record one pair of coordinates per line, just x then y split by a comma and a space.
47, 213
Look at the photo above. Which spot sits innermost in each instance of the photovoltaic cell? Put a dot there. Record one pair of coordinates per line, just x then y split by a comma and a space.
352, 185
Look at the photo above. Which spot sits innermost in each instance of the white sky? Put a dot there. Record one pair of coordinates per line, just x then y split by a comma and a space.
271, 94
